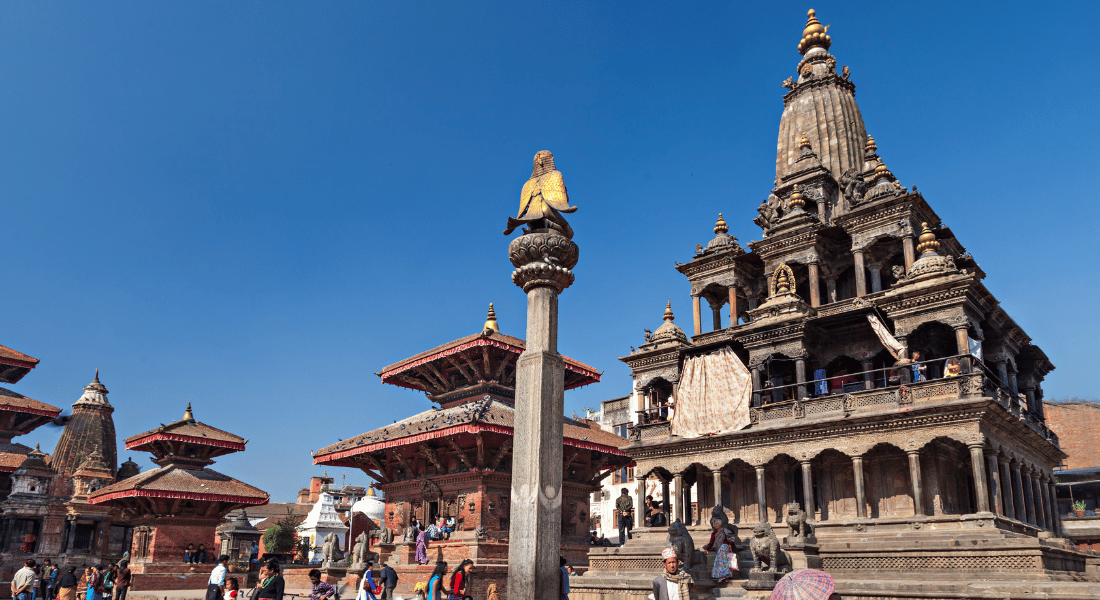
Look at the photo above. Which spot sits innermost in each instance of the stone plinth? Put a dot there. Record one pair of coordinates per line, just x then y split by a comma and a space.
803, 555
333, 575
761, 580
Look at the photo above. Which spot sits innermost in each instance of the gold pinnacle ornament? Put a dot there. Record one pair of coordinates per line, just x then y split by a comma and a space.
814, 35
720, 226
928, 243
796, 202
491, 322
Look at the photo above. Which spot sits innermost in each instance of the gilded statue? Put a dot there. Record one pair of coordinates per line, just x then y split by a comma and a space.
543, 199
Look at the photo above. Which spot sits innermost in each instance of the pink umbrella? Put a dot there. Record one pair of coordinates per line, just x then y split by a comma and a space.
804, 584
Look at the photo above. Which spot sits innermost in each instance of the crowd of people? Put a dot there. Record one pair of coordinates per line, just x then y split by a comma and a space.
47, 582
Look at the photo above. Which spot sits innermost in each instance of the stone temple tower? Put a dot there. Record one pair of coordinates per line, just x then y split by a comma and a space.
90, 429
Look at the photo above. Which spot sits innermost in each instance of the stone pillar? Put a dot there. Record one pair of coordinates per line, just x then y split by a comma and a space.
1002, 371
697, 313
761, 494
815, 284
1040, 504
977, 464
666, 501
642, 510
1018, 493
868, 376
808, 490
963, 343
65, 532
1029, 499
716, 315
861, 495
756, 384
717, 475
1049, 510
830, 288
1055, 511
994, 474
1012, 385
678, 497
914, 476
733, 306
1031, 405
861, 274
876, 277
908, 250
543, 261
800, 376
1006, 488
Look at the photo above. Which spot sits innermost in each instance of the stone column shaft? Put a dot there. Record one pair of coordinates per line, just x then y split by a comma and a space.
800, 377
1040, 505
861, 274
995, 483
1018, 494
716, 315
697, 311
914, 476
717, 474
665, 501
1029, 500
981, 489
808, 489
733, 306
678, 497
1056, 512
1006, 488
861, 495
1049, 509
815, 285
761, 494
963, 342
640, 510
830, 288
868, 376
876, 278
756, 385
909, 251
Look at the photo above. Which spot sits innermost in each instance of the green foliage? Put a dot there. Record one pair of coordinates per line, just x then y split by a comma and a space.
1079, 505
282, 537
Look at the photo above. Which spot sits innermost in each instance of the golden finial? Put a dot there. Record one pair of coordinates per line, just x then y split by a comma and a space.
804, 143
187, 416
491, 322
782, 282
814, 35
870, 147
796, 202
928, 243
881, 172
668, 312
720, 226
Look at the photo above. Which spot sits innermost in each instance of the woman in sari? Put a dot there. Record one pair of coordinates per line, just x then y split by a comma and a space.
725, 563
422, 547
67, 585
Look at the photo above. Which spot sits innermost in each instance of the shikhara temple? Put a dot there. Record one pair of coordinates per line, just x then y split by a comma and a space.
924, 478
454, 461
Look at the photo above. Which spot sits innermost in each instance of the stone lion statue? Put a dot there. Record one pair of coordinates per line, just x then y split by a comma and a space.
765, 548
801, 529
359, 550
386, 536
680, 540
331, 549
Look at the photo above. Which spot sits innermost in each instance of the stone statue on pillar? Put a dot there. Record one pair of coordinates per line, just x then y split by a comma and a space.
543, 256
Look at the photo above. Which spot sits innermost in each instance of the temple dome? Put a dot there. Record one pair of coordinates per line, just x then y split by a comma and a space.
822, 105
669, 331
372, 506
127, 470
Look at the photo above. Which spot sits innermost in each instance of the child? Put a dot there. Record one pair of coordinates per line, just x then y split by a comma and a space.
232, 587
421, 590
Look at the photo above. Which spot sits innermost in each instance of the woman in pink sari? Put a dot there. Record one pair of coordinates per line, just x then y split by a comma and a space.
422, 546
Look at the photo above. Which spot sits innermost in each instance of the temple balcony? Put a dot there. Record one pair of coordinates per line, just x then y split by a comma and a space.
865, 402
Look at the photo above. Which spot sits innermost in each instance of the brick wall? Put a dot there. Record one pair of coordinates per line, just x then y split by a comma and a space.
170, 539
1078, 427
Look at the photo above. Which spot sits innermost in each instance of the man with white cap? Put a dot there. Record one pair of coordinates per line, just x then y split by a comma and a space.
674, 583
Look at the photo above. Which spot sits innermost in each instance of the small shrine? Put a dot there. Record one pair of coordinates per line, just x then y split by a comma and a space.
182, 501
454, 461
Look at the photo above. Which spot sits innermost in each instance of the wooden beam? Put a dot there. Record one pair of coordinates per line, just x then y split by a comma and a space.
600, 477
469, 377
404, 463
485, 362
429, 453
374, 462
439, 386
480, 451
477, 374
599, 464
459, 452
176, 506
448, 383
500, 453
503, 364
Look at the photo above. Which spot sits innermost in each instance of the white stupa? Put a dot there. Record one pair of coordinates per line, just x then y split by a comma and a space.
372, 506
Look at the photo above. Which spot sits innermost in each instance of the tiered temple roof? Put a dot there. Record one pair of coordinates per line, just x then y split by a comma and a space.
14, 365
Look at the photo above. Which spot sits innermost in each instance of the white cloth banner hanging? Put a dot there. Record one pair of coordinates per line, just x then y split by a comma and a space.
892, 344
713, 395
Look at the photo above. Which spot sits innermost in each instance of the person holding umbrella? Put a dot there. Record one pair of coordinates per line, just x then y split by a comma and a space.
805, 584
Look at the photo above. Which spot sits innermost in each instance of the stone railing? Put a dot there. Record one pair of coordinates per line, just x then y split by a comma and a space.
867, 401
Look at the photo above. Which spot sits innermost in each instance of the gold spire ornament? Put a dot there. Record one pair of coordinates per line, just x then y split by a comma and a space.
928, 244
870, 147
782, 280
796, 201
814, 35
720, 227
804, 143
491, 322
668, 312
187, 414
543, 199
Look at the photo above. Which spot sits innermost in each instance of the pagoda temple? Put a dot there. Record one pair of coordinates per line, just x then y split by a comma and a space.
454, 461
923, 475
181, 501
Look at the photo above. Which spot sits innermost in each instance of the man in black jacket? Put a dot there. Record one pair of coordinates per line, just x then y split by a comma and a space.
389, 582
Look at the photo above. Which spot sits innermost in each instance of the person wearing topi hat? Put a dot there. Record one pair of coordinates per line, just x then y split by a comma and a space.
674, 583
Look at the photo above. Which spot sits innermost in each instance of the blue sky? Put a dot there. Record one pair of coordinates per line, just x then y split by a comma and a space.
253, 207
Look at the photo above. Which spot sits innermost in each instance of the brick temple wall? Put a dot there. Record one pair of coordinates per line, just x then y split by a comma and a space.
1078, 427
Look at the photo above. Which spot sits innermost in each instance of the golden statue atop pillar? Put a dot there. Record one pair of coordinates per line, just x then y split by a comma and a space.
543, 199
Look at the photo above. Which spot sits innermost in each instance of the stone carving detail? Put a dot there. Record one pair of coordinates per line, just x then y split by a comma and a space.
679, 539
543, 259
798, 410
765, 548
754, 415
770, 211
788, 83
904, 396
429, 490
853, 186
387, 535
359, 550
